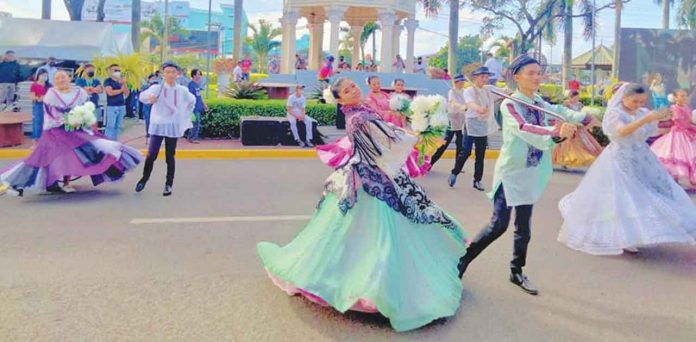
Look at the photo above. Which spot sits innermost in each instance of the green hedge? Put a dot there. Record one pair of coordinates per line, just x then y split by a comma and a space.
222, 121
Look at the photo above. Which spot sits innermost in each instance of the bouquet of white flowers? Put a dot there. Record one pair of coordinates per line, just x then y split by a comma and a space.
429, 119
400, 103
80, 117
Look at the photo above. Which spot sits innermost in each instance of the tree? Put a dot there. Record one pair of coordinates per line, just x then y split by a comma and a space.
665, 12
237, 39
100, 10
686, 14
135, 24
261, 41
468, 49
46, 9
565, 21
154, 29
617, 39
530, 18
74, 8
369, 30
432, 8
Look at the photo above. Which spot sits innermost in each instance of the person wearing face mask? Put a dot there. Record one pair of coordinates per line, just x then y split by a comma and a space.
628, 199
9, 77
116, 93
91, 85
523, 168
50, 68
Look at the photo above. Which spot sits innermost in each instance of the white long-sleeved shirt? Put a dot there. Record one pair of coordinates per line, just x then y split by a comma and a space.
170, 115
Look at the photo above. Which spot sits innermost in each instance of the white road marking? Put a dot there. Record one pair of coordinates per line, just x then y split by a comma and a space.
220, 219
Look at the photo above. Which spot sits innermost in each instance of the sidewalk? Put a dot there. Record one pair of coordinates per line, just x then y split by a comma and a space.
133, 134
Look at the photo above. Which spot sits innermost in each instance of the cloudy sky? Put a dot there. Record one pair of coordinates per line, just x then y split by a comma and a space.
431, 35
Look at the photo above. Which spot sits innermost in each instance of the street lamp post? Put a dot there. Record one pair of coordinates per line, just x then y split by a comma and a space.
207, 67
165, 36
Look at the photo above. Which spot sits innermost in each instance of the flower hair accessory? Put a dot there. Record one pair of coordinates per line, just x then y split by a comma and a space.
671, 98
328, 95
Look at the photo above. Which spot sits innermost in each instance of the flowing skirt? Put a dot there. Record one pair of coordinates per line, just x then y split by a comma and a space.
371, 259
578, 151
60, 154
626, 199
676, 150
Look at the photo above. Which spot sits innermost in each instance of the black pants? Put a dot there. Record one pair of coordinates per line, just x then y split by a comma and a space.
448, 139
498, 225
153, 150
480, 153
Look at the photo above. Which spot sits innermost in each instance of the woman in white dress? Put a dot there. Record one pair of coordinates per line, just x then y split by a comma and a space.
627, 199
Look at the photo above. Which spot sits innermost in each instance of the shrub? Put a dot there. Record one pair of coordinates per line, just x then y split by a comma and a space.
223, 119
586, 100
246, 90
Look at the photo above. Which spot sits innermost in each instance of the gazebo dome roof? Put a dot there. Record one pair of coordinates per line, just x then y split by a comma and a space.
355, 10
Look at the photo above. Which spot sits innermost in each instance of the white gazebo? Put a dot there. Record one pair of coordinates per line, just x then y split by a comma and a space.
392, 15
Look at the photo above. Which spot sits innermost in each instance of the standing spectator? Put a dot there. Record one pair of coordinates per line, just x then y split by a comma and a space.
445, 75
246, 67
237, 74
147, 107
300, 62
370, 64
342, 64
274, 65
9, 77
116, 93
327, 70
297, 105
93, 88
399, 65
183, 79
574, 84
50, 68
494, 67
419, 68
200, 107
38, 90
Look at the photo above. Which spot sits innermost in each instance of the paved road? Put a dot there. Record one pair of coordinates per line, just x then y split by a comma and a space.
77, 268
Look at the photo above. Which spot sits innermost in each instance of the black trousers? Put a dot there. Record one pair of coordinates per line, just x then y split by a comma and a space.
480, 154
498, 225
153, 150
448, 139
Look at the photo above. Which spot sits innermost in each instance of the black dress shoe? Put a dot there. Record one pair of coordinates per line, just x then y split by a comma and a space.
167, 190
477, 186
521, 280
140, 186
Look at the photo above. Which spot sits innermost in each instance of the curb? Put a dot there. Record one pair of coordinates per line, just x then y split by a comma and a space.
234, 154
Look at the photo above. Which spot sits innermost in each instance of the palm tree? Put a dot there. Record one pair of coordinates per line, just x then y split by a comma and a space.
665, 12
261, 41
432, 8
565, 8
154, 29
100, 10
46, 9
74, 8
135, 25
237, 39
369, 30
687, 14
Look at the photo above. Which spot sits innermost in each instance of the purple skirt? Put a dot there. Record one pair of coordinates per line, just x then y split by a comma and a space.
60, 154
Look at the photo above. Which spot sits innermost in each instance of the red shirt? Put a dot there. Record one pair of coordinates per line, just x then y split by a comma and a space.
38, 90
574, 85
325, 71
246, 65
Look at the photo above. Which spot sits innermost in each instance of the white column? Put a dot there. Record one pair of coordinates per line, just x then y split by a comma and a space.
396, 39
386, 19
411, 25
334, 14
356, 31
287, 49
316, 39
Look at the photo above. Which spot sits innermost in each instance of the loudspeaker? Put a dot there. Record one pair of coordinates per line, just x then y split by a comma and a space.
287, 139
260, 131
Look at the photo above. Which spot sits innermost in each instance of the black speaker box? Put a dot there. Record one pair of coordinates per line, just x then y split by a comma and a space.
259, 131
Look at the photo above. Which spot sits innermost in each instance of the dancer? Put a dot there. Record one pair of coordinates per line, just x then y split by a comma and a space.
524, 166
677, 149
60, 154
627, 199
376, 242
580, 150
379, 102
455, 112
170, 117
398, 84
480, 121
